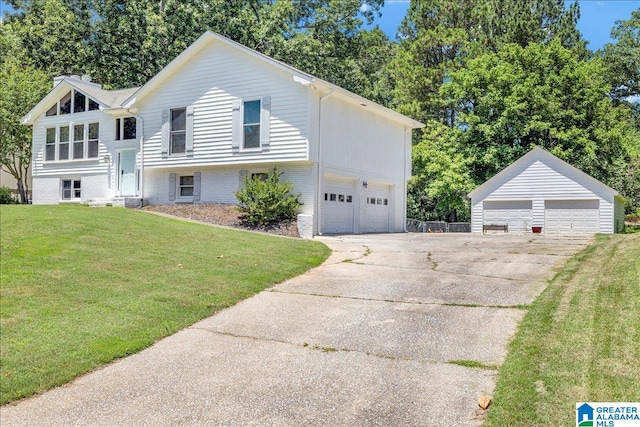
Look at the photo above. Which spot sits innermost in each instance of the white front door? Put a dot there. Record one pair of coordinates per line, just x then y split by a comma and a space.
127, 173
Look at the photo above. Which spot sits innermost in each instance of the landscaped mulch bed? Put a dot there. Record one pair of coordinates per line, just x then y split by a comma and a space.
226, 215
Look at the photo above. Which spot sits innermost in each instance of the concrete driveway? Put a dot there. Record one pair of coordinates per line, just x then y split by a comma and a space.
374, 336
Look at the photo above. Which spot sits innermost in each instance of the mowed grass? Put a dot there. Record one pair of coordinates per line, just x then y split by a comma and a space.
83, 286
579, 342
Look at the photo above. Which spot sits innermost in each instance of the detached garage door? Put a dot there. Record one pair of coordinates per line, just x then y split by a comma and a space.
338, 206
377, 209
572, 216
516, 214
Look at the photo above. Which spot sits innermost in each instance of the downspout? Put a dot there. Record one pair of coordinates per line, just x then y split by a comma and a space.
141, 183
406, 188
320, 178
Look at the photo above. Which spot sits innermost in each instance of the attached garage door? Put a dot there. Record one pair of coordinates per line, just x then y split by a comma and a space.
338, 206
377, 209
516, 214
572, 216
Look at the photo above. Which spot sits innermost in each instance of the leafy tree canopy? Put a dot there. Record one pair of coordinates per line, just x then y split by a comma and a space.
22, 85
623, 57
542, 95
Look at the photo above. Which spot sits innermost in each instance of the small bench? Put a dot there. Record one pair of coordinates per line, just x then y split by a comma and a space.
495, 227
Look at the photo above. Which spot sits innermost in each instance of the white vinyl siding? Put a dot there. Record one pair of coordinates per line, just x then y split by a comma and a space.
358, 143
211, 82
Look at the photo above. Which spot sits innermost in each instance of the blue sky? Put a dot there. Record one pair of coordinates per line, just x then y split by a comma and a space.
597, 17
596, 20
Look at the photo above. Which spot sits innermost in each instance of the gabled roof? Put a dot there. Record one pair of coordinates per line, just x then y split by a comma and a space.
106, 98
540, 154
127, 98
297, 75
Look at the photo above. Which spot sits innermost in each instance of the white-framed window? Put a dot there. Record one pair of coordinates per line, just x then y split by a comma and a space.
79, 102
73, 141
50, 145
71, 189
63, 143
251, 119
251, 124
125, 128
72, 102
185, 186
93, 144
178, 131
262, 176
78, 141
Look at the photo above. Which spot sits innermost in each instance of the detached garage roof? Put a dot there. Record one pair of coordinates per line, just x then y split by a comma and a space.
541, 155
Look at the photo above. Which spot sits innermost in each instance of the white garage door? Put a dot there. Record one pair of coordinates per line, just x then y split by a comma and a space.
338, 206
377, 209
515, 214
571, 216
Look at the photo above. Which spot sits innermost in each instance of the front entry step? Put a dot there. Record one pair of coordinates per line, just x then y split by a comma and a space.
122, 202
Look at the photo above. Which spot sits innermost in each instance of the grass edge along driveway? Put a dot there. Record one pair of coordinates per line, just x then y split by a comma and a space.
81, 287
579, 341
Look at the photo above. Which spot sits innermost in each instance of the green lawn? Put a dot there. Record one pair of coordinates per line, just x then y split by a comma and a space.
579, 342
83, 286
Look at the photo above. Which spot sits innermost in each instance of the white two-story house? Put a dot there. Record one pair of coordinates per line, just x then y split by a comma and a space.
217, 113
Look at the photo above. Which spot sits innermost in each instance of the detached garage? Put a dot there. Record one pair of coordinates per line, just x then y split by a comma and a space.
543, 192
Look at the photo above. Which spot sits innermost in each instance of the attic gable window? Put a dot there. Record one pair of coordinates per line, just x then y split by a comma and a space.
72, 102
65, 104
79, 102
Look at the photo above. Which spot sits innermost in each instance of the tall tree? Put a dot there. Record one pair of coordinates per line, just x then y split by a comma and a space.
443, 179
53, 34
438, 39
623, 58
547, 96
437, 36
22, 85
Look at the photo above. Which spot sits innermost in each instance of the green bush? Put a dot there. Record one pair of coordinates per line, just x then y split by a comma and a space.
265, 200
6, 197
